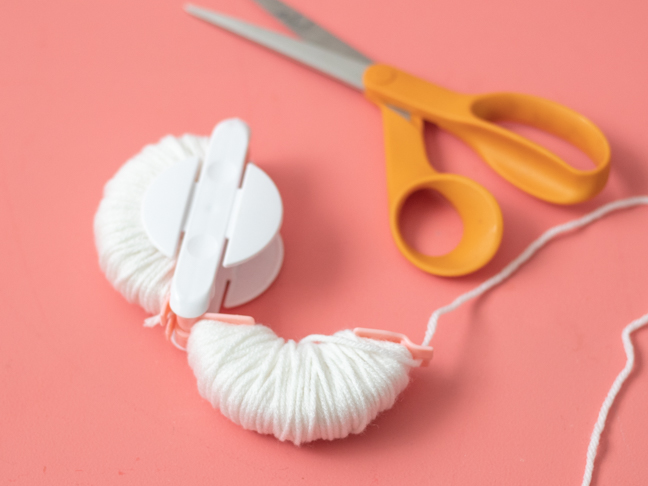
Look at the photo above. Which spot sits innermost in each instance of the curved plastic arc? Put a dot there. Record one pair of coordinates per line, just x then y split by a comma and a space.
523, 163
409, 171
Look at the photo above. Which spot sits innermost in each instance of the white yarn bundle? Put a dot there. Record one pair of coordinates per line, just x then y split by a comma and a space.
324, 387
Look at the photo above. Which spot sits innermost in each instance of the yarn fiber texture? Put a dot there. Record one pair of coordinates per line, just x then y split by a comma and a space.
131, 263
323, 387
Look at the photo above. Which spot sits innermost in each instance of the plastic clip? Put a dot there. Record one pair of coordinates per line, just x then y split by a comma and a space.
177, 329
424, 353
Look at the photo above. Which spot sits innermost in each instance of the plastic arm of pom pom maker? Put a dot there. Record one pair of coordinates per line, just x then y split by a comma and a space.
424, 353
231, 250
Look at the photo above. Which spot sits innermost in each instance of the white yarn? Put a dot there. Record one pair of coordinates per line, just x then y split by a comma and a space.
323, 387
609, 399
131, 263
526, 255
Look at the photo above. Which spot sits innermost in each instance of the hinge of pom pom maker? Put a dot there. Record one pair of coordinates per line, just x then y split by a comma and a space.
230, 212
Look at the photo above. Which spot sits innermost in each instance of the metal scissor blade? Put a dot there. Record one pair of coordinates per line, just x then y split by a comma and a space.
308, 30
342, 68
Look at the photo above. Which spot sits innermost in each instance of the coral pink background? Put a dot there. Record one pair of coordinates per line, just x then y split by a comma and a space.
89, 396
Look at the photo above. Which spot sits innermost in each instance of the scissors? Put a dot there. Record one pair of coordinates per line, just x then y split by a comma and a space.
406, 101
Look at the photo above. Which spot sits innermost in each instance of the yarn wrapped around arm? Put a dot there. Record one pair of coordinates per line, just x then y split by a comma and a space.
131, 263
322, 387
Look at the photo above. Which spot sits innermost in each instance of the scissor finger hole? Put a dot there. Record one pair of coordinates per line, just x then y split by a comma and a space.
568, 152
429, 223
565, 133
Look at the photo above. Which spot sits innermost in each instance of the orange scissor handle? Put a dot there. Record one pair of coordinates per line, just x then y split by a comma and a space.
409, 171
527, 165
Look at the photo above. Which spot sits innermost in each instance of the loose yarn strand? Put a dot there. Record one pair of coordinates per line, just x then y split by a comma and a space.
525, 256
609, 399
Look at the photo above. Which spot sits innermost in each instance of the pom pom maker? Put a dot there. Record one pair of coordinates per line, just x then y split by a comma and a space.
225, 215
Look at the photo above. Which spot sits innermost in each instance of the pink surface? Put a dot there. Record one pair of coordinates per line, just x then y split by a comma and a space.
89, 396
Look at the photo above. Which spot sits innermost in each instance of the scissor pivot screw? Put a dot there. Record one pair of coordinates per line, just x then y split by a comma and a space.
380, 75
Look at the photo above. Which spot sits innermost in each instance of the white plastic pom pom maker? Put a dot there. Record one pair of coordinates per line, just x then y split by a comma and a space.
225, 215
